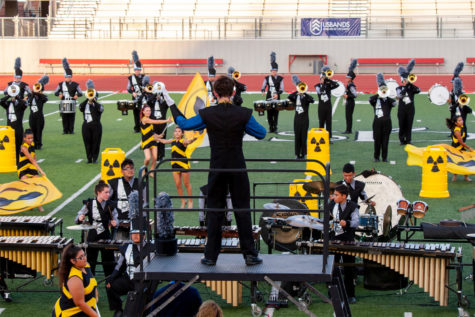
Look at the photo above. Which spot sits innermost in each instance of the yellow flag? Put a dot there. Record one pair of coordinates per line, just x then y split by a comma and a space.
26, 194
195, 98
458, 162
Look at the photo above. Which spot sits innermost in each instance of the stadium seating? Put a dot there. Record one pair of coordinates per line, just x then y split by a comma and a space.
371, 62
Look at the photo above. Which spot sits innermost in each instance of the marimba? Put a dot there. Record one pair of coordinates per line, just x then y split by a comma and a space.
227, 232
230, 291
38, 253
28, 225
424, 264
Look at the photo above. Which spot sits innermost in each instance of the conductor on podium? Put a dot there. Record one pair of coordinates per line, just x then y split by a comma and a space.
226, 124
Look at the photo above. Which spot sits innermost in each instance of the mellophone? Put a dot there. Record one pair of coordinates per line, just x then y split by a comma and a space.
28, 225
262, 105
425, 264
38, 253
227, 231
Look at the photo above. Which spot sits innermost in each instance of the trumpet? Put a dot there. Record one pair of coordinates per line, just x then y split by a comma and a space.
91, 94
329, 73
149, 88
236, 75
463, 99
302, 88
37, 87
412, 78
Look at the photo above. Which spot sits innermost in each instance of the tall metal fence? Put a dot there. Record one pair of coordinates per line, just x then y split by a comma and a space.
226, 28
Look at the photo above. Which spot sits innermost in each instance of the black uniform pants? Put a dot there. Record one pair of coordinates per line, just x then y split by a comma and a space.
381, 131
137, 116
238, 184
119, 287
92, 135
107, 256
37, 124
349, 108
348, 271
301, 124
405, 115
325, 116
158, 129
68, 122
18, 127
272, 119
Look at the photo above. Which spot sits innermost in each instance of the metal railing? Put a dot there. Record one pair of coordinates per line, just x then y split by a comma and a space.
212, 28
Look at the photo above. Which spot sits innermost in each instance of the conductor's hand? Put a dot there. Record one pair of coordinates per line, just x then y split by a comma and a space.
343, 223
114, 223
81, 217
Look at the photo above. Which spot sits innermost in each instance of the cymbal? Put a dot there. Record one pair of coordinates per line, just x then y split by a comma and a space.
305, 221
274, 206
387, 221
81, 227
316, 187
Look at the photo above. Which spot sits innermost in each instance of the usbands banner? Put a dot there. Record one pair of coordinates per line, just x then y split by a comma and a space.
331, 27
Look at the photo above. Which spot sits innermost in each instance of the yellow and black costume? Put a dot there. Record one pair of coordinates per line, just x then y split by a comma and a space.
463, 134
147, 135
25, 167
65, 306
178, 151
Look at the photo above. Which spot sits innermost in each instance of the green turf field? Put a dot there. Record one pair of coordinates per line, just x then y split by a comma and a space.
60, 153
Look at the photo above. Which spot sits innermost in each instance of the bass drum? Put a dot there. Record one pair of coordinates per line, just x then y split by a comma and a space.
386, 194
392, 85
339, 91
438, 95
285, 238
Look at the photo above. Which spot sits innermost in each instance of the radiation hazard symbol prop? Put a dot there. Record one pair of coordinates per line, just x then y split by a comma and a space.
26, 194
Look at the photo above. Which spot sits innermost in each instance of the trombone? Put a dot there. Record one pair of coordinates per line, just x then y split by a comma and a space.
236, 75
91, 94
302, 88
463, 99
412, 78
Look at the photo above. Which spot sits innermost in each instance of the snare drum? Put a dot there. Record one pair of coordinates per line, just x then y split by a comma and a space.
392, 85
270, 104
403, 206
290, 105
280, 105
369, 222
419, 209
67, 106
438, 95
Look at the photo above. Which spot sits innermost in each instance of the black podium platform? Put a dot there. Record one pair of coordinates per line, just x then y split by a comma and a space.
231, 267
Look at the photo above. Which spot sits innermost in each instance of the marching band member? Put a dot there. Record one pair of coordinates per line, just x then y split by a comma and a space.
405, 94
91, 127
346, 214
159, 111
24, 88
350, 96
36, 101
324, 89
302, 100
275, 87
68, 90
355, 188
382, 125
15, 108
459, 136
459, 102
120, 189
238, 87
149, 145
135, 87
179, 144
210, 81
102, 214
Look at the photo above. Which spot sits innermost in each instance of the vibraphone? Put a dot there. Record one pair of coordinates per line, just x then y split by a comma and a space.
29, 225
424, 264
38, 253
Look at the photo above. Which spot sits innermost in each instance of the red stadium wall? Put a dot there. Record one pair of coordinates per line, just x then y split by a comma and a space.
365, 82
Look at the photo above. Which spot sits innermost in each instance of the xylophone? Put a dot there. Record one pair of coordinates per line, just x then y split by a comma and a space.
227, 232
38, 253
28, 225
424, 264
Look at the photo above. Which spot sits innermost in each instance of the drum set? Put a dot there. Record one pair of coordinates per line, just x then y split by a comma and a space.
67, 106
273, 104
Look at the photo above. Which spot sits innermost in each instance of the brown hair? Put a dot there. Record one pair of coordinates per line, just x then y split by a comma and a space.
70, 252
209, 308
100, 187
223, 86
141, 111
451, 123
